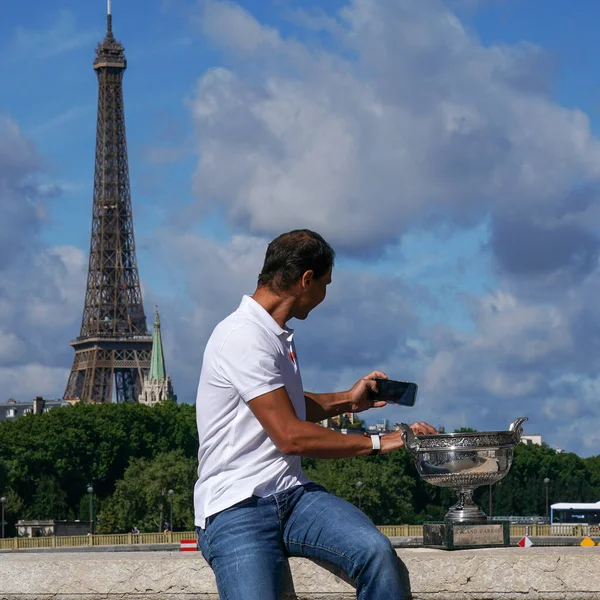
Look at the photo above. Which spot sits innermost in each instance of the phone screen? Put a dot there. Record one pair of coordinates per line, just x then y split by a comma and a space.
396, 392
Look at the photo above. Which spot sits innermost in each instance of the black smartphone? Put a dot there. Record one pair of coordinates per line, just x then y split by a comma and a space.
396, 392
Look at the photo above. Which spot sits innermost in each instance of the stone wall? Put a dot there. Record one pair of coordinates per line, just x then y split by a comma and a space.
489, 574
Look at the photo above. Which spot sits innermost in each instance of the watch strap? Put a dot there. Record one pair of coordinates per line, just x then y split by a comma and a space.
376, 441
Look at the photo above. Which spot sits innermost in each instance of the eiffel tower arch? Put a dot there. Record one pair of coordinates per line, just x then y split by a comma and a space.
113, 347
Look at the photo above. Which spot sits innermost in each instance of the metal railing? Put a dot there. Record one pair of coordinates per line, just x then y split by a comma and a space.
401, 530
516, 530
116, 539
132, 539
555, 530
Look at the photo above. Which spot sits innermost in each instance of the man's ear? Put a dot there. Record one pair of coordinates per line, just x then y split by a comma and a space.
307, 278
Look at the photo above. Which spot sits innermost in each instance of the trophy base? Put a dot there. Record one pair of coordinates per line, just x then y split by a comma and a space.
458, 536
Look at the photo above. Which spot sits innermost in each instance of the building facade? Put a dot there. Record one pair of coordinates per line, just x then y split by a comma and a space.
12, 409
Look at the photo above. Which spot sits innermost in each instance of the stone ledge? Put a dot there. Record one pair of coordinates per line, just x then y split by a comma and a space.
487, 574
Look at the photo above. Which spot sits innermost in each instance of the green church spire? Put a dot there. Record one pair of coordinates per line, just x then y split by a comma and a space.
157, 384
157, 361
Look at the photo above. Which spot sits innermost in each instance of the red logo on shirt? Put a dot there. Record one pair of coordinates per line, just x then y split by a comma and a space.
292, 356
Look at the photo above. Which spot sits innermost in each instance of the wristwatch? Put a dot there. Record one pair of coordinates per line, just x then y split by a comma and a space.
376, 441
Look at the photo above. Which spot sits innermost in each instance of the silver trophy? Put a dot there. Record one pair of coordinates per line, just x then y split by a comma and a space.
463, 462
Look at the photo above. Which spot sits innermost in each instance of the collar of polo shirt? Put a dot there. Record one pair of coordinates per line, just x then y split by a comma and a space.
251, 306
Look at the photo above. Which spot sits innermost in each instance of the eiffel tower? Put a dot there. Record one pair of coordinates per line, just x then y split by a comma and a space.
113, 345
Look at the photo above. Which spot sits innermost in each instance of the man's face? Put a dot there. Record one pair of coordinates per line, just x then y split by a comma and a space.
313, 293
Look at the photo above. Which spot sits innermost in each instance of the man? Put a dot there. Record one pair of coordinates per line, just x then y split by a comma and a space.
253, 504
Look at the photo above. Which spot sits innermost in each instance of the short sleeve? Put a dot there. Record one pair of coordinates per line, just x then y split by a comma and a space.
250, 361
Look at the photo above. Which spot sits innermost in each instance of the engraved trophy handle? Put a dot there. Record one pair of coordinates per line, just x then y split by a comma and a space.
516, 428
411, 443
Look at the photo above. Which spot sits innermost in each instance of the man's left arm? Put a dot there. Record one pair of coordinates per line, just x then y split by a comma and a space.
356, 399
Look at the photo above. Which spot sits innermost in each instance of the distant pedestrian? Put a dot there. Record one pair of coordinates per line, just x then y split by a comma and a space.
135, 530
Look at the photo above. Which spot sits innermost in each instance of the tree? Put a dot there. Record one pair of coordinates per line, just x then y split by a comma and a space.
141, 497
85, 444
13, 512
49, 502
385, 493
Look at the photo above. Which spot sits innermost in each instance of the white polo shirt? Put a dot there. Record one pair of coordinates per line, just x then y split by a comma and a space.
247, 355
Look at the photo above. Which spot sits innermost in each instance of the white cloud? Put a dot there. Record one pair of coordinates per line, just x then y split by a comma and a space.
63, 35
41, 287
11, 346
401, 122
27, 381
61, 296
423, 124
229, 24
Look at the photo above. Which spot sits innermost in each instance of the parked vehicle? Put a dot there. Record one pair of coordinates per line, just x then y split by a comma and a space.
577, 513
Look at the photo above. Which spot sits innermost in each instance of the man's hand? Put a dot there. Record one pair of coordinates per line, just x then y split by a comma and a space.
360, 393
393, 441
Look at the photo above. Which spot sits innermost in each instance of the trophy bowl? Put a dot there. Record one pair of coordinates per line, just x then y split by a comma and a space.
463, 462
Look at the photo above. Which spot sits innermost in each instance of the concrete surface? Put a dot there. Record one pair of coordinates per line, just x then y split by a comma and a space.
488, 574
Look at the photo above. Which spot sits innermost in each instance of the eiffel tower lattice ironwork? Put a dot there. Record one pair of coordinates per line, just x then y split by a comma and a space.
113, 344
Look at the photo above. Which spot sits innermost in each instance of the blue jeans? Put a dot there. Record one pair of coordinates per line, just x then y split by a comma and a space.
246, 545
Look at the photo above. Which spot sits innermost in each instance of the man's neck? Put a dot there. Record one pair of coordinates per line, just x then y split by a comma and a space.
278, 306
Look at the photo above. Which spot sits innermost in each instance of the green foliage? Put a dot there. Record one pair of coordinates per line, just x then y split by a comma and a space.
49, 501
133, 454
385, 493
48, 460
523, 491
141, 498
14, 510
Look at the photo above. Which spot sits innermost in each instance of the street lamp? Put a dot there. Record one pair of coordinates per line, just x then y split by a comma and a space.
162, 508
359, 485
3, 502
90, 491
546, 482
171, 492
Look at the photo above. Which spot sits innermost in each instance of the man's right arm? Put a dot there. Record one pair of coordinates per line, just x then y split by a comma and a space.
294, 436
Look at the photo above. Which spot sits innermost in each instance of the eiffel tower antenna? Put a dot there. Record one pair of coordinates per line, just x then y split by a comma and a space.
109, 18
113, 347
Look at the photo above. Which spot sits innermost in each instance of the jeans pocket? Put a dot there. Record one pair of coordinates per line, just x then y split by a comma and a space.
203, 544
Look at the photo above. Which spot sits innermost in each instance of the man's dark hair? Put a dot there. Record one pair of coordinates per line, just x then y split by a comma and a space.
291, 254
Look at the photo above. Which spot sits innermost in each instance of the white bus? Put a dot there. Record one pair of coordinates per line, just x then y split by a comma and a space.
575, 513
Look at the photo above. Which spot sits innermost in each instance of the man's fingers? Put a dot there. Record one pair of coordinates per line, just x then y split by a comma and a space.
376, 375
371, 385
427, 428
422, 428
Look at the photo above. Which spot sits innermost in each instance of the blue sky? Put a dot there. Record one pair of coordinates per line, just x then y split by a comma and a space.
566, 31
448, 150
